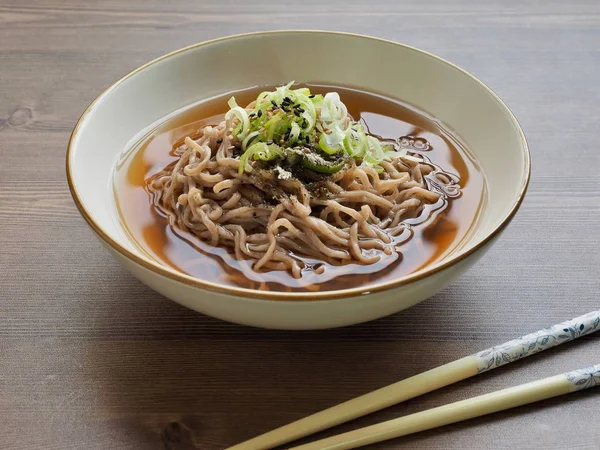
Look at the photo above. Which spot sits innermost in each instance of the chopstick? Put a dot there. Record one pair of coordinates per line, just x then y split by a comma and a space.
463, 410
428, 381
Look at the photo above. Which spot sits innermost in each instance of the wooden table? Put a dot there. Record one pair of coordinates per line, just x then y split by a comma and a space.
90, 358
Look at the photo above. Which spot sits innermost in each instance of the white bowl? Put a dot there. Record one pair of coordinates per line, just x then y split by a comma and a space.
171, 82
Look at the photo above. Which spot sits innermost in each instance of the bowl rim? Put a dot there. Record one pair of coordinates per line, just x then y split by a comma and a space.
254, 294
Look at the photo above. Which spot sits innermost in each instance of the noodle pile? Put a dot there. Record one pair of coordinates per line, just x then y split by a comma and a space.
275, 217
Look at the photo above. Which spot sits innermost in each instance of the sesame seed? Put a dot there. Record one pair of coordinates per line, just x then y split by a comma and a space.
219, 141
259, 113
311, 96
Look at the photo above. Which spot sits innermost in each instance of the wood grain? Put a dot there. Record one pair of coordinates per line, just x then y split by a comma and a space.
90, 358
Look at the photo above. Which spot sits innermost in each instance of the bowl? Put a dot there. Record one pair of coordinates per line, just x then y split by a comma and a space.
141, 98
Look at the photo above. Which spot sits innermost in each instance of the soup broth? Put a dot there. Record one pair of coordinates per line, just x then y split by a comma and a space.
433, 239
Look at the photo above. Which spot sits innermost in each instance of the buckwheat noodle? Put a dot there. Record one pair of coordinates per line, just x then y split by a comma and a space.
355, 215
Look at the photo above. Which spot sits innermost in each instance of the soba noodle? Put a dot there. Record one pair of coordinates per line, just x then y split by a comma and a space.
273, 212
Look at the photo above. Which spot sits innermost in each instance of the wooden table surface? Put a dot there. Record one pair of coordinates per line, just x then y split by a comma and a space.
90, 358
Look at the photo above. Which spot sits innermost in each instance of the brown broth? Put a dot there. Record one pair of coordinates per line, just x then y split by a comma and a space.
432, 240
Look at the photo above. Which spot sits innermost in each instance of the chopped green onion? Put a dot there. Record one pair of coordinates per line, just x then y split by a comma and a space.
317, 100
302, 91
248, 138
277, 126
390, 152
320, 165
244, 166
310, 112
369, 161
294, 133
262, 99
232, 103
243, 127
375, 148
355, 142
326, 148
296, 118
259, 151
268, 152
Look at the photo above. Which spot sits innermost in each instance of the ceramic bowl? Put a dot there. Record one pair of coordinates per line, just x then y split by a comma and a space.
169, 83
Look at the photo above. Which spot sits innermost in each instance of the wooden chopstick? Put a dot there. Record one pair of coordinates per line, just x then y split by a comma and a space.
463, 410
428, 381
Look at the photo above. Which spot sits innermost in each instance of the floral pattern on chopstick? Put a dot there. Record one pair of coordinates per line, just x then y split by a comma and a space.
584, 378
536, 342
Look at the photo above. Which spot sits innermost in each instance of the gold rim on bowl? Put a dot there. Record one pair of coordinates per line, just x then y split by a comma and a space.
293, 296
